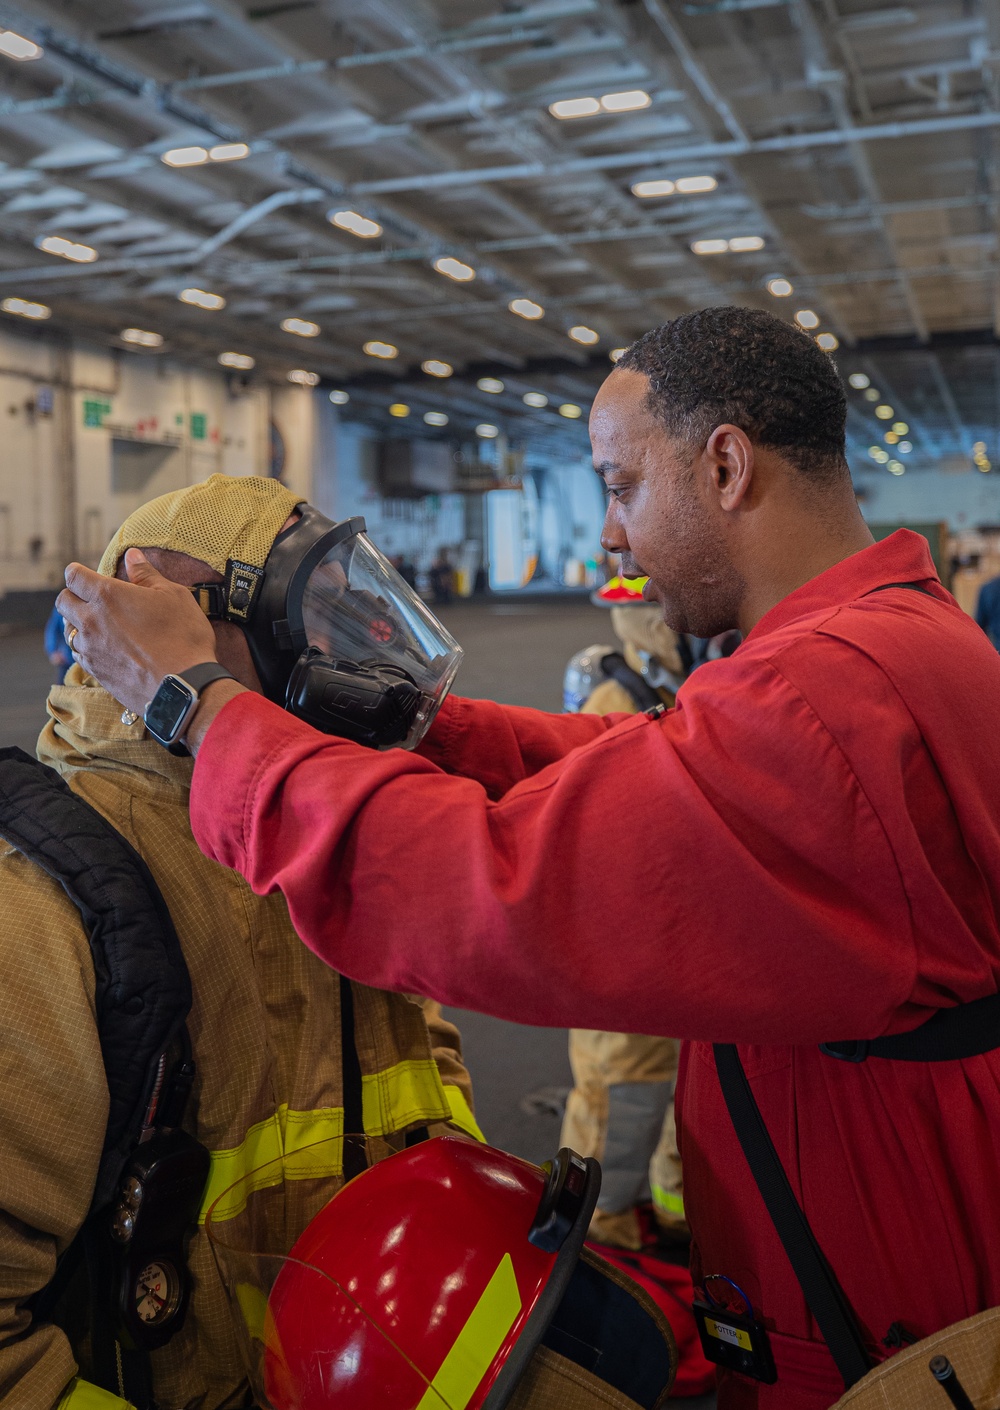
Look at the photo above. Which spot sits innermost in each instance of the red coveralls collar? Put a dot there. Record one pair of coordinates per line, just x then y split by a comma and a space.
903, 557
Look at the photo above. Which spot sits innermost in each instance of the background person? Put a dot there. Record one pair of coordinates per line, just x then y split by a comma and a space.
812, 852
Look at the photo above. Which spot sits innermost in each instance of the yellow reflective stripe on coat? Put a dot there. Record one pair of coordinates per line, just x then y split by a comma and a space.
83, 1395
669, 1202
461, 1113
286, 1146
477, 1343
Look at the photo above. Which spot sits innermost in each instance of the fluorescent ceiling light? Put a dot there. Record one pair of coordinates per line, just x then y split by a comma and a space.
873, 394
695, 185
647, 189
575, 107
201, 298
487, 431
378, 349
896, 467
582, 334
24, 308
185, 156
859, 381
526, 308
829, 342
490, 384
536, 399
229, 152
357, 224
901, 428
904, 447
806, 318
66, 249
302, 378
781, 288
399, 409
629, 102
435, 368
710, 247
454, 269
571, 411
339, 398
301, 327
742, 243
435, 418
15, 46
617, 353
979, 448
141, 338
243, 362
877, 453
884, 413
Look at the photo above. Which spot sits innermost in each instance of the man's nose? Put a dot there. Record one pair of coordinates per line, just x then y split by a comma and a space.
613, 536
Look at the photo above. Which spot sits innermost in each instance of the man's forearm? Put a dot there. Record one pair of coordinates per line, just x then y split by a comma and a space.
211, 701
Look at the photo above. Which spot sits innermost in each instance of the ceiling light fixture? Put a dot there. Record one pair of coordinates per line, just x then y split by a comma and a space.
582, 334
829, 342
229, 152
743, 244
141, 338
400, 410
378, 349
535, 399
884, 413
15, 46
877, 453
859, 381
185, 156
575, 107
629, 102
357, 224
201, 298
873, 394
490, 384
709, 247
435, 418
455, 269
900, 427
302, 378
780, 287
66, 249
904, 447
24, 308
242, 362
487, 431
526, 308
806, 318
695, 185
890, 438
301, 327
895, 467
645, 190
571, 411
617, 353
339, 398
435, 368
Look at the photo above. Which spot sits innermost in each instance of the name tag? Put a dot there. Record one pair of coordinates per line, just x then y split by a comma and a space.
736, 1342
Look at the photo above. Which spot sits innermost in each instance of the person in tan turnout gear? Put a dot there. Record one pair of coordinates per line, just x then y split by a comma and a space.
265, 1023
621, 1107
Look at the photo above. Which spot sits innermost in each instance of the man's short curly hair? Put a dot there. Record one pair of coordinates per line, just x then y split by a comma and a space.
748, 368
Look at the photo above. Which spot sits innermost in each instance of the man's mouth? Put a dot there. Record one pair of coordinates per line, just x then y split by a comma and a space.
649, 590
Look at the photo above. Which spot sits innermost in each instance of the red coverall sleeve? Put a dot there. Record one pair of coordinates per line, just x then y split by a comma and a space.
717, 873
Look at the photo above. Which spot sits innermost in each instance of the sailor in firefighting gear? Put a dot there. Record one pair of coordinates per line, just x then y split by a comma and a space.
621, 1107
265, 1024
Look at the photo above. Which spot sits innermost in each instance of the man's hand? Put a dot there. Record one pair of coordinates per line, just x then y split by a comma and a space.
130, 635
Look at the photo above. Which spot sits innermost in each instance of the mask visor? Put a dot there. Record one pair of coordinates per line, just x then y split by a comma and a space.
356, 608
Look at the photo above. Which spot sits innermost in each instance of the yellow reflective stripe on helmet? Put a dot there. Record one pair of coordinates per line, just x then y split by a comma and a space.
401, 1096
477, 1343
669, 1202
461, 1113
83, 1395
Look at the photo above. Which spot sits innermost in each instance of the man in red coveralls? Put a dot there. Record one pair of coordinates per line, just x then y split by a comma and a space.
811, 838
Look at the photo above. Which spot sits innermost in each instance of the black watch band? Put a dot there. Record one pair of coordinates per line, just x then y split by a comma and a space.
176, 699
200, 676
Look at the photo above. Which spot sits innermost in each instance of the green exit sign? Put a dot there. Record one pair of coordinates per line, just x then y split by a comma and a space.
199, 425
94, 412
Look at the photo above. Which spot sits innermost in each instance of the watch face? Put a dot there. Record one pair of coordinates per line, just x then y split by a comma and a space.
167, 709
157, 1292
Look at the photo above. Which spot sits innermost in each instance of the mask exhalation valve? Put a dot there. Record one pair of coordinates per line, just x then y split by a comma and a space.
369, 703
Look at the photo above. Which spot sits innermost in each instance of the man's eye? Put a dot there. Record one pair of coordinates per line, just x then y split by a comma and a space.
614, 491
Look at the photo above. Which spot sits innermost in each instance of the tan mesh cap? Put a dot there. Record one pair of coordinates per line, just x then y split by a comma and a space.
225, 517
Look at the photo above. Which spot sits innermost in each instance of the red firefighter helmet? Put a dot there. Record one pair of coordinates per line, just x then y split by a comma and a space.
430, 1281
620, 592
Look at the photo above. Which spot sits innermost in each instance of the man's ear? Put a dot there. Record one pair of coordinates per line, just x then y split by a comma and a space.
731, 462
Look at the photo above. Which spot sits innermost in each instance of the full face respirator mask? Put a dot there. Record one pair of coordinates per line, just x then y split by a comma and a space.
337, 637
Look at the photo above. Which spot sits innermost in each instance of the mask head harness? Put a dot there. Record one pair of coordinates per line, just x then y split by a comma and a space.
369, 701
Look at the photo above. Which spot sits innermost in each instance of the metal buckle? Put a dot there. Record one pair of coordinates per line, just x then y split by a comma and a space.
857, 1050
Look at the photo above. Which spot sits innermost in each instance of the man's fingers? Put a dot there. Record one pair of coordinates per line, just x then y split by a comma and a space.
142, 573
84, 582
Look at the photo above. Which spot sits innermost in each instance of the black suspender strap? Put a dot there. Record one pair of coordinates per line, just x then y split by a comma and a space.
616, 668
822, 1292
350, 1064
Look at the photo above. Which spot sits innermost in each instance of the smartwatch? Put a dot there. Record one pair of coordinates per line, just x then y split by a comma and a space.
176, 699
